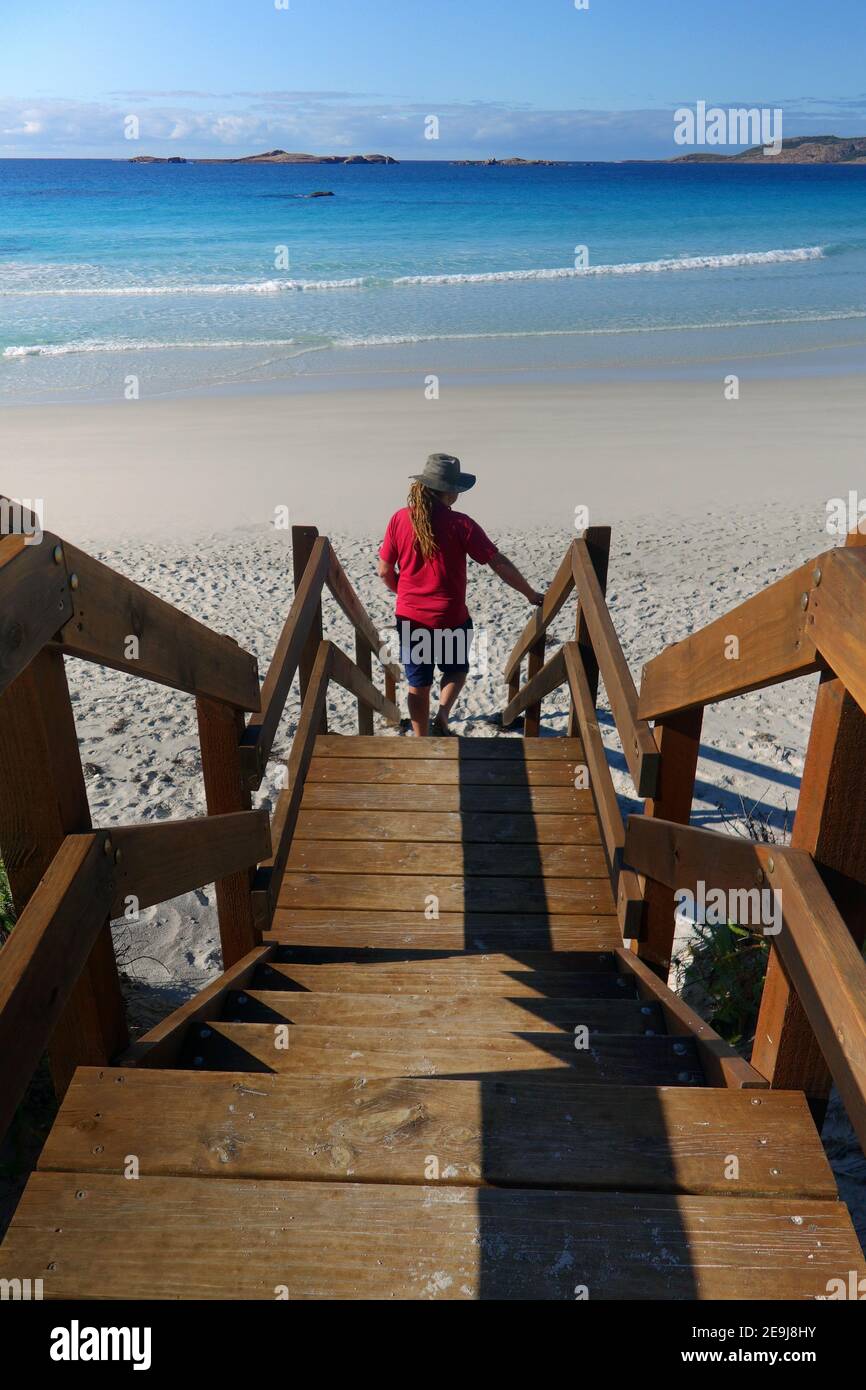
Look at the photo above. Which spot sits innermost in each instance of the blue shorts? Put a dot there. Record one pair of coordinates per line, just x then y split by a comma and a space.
422, 648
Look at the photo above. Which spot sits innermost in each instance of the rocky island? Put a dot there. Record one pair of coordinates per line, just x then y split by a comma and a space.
512, 163
271, 157
798, 149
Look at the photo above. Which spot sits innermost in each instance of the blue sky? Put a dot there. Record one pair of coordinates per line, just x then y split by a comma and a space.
528, 77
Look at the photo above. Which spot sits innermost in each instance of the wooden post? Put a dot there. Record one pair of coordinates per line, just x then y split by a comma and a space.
831, 825
364, 661
532, 716
678, 738
513, 688
598, 544
390, 687
303, 539
43, 798
220, 728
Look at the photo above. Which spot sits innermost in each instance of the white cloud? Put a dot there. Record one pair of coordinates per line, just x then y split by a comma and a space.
322, 122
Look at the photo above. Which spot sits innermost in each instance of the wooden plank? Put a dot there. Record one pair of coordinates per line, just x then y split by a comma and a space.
450, 932
44, 956
638, 744
114, 618
542, 680
179, 1238
763, 640
289, 801
347, 674
629, 895
163, 859
555, 749
227, 791
159, 1047
303, 540
43, 799
310, 1050
679, 739
539, 622
455, 1013
301, 628
836, 622
597, 540
396, 796
469, 975
424, 772
626, 1138
722, 1065
342, 590
448, 827
452, 893
34, 602
500, 861
680, 855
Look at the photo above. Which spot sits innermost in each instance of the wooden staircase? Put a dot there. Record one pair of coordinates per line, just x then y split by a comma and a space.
439, 1070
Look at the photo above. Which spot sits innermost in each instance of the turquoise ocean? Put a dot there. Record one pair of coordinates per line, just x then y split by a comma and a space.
230, 277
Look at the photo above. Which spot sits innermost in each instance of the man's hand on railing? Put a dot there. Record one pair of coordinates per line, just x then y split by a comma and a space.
510, 574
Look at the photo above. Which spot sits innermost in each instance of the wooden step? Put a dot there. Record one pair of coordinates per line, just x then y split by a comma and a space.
516, 1132
446, 772
460, 748
429, 858
451, 931
101, 1236
466, 1013
314, 1050
452, 893
578, 962
404, 796
441, 979
448, 827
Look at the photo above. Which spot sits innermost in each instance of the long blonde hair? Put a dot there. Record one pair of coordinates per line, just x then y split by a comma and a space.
420, 502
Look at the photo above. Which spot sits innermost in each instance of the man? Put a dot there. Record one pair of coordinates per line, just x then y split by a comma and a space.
423, 561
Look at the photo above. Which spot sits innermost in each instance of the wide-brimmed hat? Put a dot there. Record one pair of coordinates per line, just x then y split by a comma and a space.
442, 474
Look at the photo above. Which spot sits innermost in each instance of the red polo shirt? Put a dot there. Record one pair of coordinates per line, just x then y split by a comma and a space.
433, 592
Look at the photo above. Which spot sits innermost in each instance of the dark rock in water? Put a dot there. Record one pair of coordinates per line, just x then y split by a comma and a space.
321, 193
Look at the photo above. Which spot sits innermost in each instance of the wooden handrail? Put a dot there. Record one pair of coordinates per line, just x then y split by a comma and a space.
158, 861
814, 617
261, 728
91, 877
817, 950
323, 568
288, 805
762, 641
638, 744
551, 675
627, 888
331, 664
347, 674
348, 600
539, 622
53, 589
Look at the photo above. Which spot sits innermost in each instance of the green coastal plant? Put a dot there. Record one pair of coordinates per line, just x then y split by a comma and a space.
721, 970
7, 909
